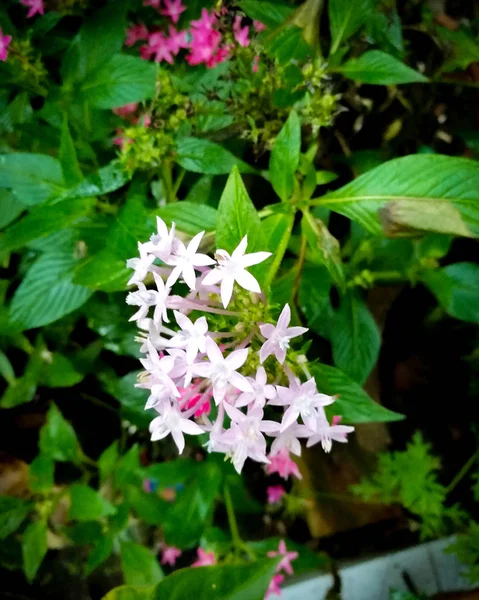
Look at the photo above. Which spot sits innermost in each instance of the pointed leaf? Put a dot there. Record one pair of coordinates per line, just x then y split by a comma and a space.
139, 565
68, 157
376, 67
34, 548
345, 18
285, 157
203, 156
58, 439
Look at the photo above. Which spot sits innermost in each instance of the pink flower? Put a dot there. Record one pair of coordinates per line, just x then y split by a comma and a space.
282, 464
285, 562
206, 22
173, 9
261, 390
4, 42
176, 40
240, 33
326, 433
157, 46
171, 421
127, 109
255, 64
279, 336
121, 141
275, 493
274, 584
169, 555
258, 26
135, 33
336, 420
203, 409
36, 6
204, 558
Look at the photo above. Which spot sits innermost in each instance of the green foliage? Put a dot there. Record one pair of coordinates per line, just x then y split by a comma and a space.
34, 547
346, 17
379, 68
285, 157
58, 439
139, 565
13, 512
466, 548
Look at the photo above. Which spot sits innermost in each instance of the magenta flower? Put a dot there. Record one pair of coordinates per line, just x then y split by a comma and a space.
302, 399
176, 40
274, 584
275, 493
173, 9
233, 268
287, 557
136, 33
35, 6
4, 42
205, 22
279, 336
282, 464
157, 47
258, 26
169, 554
241, 33
126, 110
204, 558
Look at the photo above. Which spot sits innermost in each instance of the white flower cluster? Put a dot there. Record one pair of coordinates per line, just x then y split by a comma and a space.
187, 365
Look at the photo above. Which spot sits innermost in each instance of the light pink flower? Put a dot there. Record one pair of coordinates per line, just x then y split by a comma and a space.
245, 436
275, 493
176, 40
184, 260
223, 371
173, 9
326, 433
126, 110
287, 557
4, 42
274, 584
288, 439
163, 243
171, 421
191, 336
261, 390
233, 268
241, 33
282, 464
302, 399
204, 558
169, 554
140, 265
36, 7
160, 367
144, 298
258, 26
135, 33
279, 336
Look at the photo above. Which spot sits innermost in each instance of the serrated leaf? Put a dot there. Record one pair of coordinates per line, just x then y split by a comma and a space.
47, 293
285, 157
353, 404
58, 439
188, 216
33, 177
355, 338
121, 80
272, 14
139, 565
10, 207
204, 156
422, 178
379, 68
345, 18
106, 180
456, 288
34, 548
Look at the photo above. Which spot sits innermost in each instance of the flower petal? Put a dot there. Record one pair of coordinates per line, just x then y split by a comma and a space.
227, 289
254, 258
247, 281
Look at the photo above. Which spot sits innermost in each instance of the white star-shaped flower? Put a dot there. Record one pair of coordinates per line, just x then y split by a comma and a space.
185, 259
233, 268
160, 367
172, 421
140, 265
192, 336
278, 338
163, 243
261, 390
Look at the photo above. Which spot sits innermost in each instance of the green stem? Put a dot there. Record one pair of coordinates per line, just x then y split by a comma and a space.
237, 541
388, 275
462, 473
178, 182
168, 181
279, 253
301, 260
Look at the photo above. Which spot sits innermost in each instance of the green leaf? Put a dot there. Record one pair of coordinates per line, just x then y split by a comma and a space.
6, 369
41, 474
314, 291
67, 155
276, 231
139, 565
324, 247
34, 178
87, 504
128, 592
100, 36
107, 461
34, 548
237, 216
287, 44
456, 288
345, 18
150, 508
128, 470
13, 512
99, 553
43, 221
378, 68
58, 439
47, 293
203, 156
353, 404
285, 157
422, 178
272, 14
225, 582
120, 80
106, 180
188, 216
355, 338
131, 398
58, 371
193, 507
10, 207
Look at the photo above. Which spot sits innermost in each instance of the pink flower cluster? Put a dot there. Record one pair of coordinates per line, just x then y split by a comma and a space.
204, 39
187, 365
4, 42
284, 564
34, 6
